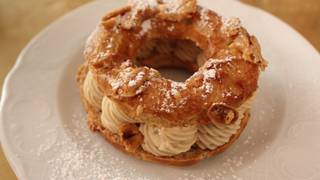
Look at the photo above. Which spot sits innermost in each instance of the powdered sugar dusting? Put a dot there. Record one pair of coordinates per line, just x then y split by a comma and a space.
207, 85
211, 73
173, 5
145, 27
143, 4
231, 23
226, 94
138, 77
115, 84
212, 62
103, 55
122, 78
205, 23
167, 103
132, 83
230, 26
178, 85
138, 6
79, 157
171, 28
172, 97
205, 16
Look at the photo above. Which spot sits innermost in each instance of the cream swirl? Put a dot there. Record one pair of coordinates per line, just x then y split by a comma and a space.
171, 141
112, 117
91, 91
216, 134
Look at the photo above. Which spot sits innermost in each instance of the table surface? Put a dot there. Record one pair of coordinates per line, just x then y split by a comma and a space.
21, 20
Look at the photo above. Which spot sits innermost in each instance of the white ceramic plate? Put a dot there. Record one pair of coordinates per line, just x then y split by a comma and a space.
44, 133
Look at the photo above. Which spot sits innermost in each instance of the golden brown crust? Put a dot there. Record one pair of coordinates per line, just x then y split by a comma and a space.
194, 155
233, 58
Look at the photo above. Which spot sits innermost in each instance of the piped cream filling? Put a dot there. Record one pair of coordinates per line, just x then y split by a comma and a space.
162, 141
112, 117
91, 91
216, 134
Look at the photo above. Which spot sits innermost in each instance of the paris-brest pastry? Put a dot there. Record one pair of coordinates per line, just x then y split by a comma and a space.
155, 118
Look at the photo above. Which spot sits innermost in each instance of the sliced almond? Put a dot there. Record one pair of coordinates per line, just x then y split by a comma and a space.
221, 113
131, 137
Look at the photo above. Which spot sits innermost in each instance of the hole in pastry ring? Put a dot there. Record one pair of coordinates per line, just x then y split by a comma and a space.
226, 73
